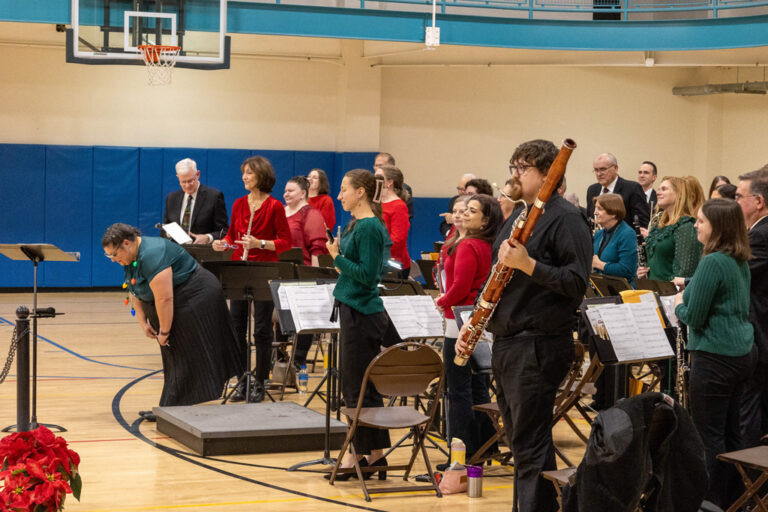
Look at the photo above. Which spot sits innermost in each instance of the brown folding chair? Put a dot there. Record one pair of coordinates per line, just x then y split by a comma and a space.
574, 387
755, 459
402, 370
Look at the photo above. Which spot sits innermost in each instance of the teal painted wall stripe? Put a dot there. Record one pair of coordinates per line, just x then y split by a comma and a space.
293, 20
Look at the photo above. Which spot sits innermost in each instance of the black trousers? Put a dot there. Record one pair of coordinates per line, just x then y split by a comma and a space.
716, 385
360, 339
263, 333
303, 344
754, 406
528, 371
466, 389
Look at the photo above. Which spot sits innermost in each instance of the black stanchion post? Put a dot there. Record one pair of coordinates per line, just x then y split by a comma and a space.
22, 370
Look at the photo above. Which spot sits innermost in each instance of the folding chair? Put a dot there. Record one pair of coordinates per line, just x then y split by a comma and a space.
574, 388
755, 459
405, 369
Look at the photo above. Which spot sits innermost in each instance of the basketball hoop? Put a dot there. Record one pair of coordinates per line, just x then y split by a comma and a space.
160, 60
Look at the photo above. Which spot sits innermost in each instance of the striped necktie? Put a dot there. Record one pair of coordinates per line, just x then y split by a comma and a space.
187, 214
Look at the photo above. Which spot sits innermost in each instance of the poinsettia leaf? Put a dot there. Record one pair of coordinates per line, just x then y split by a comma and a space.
77, 485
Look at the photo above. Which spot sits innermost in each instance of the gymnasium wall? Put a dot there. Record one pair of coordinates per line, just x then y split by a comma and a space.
73, 132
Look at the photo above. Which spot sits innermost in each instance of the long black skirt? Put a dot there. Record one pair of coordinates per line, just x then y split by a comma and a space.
202, 353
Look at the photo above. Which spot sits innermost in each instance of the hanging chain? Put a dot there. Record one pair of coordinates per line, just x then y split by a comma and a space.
11, 354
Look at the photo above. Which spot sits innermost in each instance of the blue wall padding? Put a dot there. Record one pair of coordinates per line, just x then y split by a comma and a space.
224, 173
22, 205
151, 198
69, 212
115, 194
68, 195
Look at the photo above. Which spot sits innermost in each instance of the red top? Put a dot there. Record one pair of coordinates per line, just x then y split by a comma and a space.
465, 273
268, 224
324, 204
398, 223
308, 232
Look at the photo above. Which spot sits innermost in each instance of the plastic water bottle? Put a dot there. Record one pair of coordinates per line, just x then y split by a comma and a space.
458, 451
303, 380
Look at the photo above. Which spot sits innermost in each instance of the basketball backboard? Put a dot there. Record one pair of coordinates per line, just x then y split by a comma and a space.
110, 31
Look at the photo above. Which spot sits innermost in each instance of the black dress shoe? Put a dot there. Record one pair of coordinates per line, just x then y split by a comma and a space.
239, 393
148, 415
257, 392
381, 461
343, 477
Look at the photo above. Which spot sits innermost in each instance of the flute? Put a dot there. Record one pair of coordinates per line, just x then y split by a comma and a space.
250, 223
501, 274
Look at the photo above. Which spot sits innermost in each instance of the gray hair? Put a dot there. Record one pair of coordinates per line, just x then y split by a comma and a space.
185, 166
758, 182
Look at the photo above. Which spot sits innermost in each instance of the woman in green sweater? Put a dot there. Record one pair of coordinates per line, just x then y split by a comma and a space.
715, 307
360, 256
671, 245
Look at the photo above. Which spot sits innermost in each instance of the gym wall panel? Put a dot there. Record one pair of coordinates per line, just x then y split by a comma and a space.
224, 173
115, 199
425, 224
22, 199
151, 199
68, 212
346, 162
283, 163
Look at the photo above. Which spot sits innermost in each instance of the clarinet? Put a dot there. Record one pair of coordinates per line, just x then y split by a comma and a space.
501, 274
681, 385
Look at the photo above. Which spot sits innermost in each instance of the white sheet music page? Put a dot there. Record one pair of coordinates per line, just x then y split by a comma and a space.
311, 306
414, 316
623, 331
652, 334
669, 308
177, 233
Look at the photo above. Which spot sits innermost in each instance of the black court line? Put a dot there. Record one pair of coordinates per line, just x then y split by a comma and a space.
133, 429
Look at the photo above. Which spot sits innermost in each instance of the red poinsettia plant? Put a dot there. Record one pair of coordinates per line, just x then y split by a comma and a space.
37, 471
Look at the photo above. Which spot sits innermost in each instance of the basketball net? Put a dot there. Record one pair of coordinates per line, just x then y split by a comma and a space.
160, 60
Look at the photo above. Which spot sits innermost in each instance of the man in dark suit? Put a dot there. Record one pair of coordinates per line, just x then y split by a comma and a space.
752, 196
606, 170
198, 209
646, 175
387, 159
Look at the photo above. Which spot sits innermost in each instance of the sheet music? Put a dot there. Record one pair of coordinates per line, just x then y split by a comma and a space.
414, 316
634, 329
311, 306
669, 308
655, 341
177, 233
282, 295
623, 331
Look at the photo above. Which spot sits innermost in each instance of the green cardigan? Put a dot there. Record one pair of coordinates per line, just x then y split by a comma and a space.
363, 251
716, 307
673, 251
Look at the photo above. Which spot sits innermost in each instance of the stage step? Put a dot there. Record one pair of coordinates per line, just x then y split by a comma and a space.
248, 428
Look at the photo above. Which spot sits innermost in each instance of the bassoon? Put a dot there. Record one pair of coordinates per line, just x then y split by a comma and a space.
501, 274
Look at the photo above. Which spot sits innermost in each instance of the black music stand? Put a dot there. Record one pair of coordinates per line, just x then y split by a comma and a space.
36, 253
249, 281
332, 377
663, 288
607, 285
205, 252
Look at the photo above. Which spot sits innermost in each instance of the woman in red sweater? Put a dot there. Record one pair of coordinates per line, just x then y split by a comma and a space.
306, 223
396, 217
467, 264
319, 198
260, 231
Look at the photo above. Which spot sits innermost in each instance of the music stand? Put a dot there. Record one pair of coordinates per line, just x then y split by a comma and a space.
36, 253
205, 252
249, 281
663, 288
332, 375
607, 285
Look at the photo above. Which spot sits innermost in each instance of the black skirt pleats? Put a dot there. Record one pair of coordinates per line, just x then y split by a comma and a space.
203, 352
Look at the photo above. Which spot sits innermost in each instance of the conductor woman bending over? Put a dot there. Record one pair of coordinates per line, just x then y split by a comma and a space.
181, 305
360, 256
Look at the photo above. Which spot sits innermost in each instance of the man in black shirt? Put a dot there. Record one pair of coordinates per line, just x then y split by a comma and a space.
534, 321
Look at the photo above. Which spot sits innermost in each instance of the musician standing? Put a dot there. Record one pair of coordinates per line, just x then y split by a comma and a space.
260, 231
200, 210
752, 196
534, 321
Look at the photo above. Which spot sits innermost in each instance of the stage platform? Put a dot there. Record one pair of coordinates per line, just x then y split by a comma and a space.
248, 428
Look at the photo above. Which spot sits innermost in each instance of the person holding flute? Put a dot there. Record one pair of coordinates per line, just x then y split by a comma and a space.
534, 320
260, 232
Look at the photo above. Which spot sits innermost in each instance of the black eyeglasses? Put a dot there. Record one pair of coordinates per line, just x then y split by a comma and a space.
112, 255
520, 169
599, 170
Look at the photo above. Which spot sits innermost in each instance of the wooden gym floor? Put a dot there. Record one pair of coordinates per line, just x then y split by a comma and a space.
96, 371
